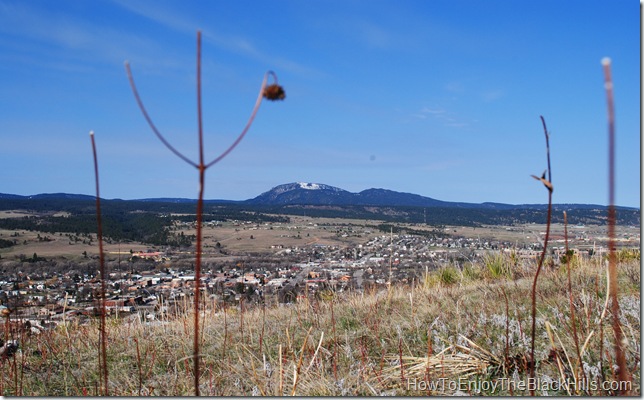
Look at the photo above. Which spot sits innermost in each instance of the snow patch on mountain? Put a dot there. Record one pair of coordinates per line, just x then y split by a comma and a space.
309, 186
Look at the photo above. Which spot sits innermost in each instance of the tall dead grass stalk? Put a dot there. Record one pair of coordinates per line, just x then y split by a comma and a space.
548, 184
102, 356
271, 92
622, 373
579, 370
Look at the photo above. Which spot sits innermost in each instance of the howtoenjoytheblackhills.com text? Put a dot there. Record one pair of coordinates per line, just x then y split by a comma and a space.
507, 385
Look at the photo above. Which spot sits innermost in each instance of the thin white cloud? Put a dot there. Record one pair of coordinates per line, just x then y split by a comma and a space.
75, 41
426, 112
165, 17
175, 20
440, 115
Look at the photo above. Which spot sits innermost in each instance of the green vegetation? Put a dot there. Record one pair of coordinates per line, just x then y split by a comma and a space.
497, 266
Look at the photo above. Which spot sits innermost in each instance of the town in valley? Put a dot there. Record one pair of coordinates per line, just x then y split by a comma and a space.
47, 278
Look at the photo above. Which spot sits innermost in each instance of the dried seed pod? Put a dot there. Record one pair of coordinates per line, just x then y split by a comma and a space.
274, 92
543, 180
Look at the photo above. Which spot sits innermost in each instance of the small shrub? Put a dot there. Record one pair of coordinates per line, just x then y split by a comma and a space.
448, 275
496, 267
626, 255
472, 272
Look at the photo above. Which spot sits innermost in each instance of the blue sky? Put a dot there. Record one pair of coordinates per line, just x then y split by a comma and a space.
438, 98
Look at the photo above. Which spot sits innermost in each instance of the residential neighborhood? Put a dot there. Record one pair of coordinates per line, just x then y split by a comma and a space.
157, 284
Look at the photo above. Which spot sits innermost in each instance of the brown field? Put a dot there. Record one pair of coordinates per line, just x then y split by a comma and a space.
235, 237
16, 214
59, 246
274, 237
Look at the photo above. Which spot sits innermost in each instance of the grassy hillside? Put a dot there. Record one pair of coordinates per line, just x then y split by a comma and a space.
461, 330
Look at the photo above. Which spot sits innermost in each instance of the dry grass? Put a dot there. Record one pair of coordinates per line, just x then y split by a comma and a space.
361, 344
60, 246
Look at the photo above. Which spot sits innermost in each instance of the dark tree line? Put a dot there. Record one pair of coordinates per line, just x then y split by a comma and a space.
146, 228
150, 222
463, 216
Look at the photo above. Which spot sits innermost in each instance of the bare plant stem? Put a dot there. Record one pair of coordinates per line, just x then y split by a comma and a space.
275, 93
225, 329
400, 360
573, 320
138, 362
507, 328
280, 390
261, 335
99, 237
548, 184
429, 354
296, 370
622, 373
335, 343
601, 339
241, 319
202, 176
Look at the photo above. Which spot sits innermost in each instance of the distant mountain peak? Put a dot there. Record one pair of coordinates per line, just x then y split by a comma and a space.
287, 187
321, 194
303, 193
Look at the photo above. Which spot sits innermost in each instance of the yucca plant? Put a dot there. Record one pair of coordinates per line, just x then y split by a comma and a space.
448, 275
497, 266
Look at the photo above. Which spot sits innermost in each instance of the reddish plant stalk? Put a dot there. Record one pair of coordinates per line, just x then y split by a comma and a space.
138, 362
622, 373
271, 92
99, 236
402, 364
548, 184
202, 175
